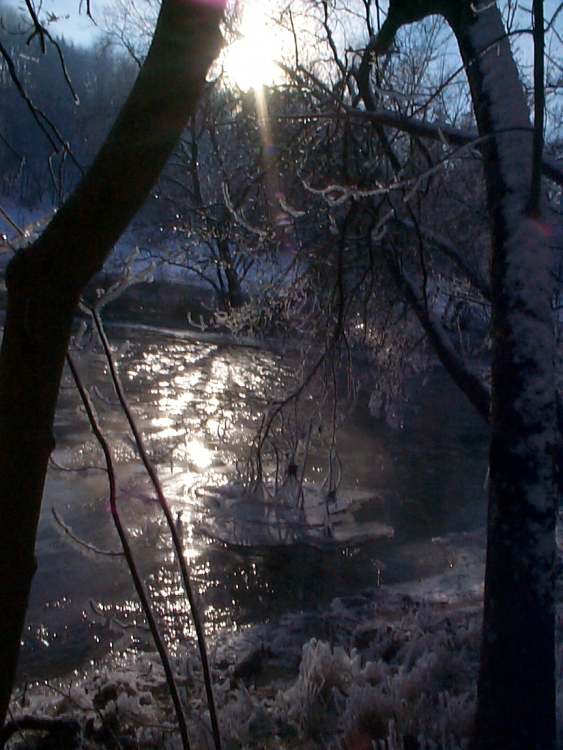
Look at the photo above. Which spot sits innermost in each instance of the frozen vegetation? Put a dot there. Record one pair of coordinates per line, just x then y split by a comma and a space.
356, 230
392, 668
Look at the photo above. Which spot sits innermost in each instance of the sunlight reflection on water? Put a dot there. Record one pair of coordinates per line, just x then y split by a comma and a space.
198, 406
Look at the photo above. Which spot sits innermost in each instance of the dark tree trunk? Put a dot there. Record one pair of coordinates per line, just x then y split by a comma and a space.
516, 691
234, 295
45, 280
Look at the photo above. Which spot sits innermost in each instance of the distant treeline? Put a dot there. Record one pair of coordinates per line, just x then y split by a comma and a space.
56, 106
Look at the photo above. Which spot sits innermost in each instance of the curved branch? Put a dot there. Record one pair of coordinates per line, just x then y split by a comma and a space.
469, 383
176, 541
450, 251
439, 132
435, 131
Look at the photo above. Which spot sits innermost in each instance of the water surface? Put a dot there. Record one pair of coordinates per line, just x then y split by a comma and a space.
198, 404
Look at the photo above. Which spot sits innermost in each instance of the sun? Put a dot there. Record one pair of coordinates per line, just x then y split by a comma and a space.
250, 61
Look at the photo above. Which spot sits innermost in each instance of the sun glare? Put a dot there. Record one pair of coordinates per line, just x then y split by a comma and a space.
199, 454
250, 61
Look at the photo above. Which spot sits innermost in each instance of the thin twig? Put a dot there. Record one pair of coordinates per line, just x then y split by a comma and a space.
82, 542
38, 115
163, 502
300, 493
7, 218
135, 575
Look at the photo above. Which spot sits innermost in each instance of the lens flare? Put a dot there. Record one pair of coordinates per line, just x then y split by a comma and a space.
250, 61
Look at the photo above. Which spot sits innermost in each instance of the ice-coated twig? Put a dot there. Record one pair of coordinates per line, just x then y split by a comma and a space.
238, 215
129, 277
128, 553
90, 547
165, 507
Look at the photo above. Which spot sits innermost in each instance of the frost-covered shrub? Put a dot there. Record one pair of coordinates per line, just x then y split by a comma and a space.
403, 675
326, 677
245, 722
417, 685
367, 715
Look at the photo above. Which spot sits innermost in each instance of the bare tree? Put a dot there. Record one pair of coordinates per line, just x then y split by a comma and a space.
215, 169
516, 692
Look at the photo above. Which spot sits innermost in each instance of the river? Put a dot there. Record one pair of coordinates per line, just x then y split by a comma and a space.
198, 404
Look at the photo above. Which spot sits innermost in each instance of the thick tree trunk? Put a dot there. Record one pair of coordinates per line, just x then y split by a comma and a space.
45, 280
516, 694
516, 691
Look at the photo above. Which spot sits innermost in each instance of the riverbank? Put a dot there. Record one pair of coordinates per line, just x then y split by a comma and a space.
392, 668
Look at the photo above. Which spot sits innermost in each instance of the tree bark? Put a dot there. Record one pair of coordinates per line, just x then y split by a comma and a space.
45, 281
516, 690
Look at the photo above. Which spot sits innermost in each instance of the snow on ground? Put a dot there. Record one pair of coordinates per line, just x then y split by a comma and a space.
145, 256
391, 668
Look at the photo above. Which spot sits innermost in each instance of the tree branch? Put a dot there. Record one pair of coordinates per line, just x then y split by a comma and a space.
469, 383
450, 251
435, 131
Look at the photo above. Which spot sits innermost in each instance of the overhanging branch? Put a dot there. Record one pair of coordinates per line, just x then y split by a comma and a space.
438, 132
435, 131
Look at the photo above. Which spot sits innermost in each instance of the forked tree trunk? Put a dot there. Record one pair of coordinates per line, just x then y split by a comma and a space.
45, 280
516, 690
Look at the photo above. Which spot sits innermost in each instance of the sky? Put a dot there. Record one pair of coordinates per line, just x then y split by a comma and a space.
77, 27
